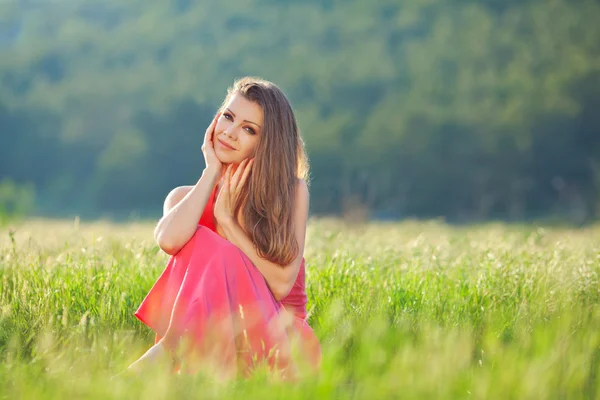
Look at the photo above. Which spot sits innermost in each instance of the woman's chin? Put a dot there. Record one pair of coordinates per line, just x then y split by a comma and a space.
223, 159
226, 160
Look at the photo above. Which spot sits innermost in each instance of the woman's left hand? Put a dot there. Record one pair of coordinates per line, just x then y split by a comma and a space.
231, 189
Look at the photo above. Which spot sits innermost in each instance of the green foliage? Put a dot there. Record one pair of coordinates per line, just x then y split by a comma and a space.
16, 201
423, 310
467, 110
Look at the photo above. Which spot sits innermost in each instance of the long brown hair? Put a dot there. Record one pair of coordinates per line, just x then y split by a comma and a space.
267, 206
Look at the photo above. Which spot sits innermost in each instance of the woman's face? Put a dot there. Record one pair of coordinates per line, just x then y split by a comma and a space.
238, 126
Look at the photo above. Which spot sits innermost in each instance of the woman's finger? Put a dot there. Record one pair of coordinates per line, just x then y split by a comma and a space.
236, 177
227, 182
244, 177
208, 136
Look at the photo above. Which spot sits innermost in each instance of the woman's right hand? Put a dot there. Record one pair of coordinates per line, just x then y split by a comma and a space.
208, 148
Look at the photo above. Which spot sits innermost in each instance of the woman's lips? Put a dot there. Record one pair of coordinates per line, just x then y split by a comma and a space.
225, 145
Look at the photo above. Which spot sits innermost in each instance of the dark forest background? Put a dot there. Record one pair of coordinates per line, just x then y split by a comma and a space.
467, 110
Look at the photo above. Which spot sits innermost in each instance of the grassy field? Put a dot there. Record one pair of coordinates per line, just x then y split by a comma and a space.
410, 310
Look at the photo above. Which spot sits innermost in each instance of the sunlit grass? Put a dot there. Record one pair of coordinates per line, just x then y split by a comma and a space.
407, 310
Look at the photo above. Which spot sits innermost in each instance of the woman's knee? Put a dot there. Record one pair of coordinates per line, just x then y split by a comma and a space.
203, 236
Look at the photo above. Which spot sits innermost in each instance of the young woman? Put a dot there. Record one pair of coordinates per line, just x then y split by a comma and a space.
232, 296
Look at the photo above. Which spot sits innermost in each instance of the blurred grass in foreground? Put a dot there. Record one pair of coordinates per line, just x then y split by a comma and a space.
408, 310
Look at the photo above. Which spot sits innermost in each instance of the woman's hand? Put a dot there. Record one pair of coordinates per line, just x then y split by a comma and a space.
230, 191
208, 149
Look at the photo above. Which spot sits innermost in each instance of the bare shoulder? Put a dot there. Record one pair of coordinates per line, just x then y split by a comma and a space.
301, 187
302, 195
175, 196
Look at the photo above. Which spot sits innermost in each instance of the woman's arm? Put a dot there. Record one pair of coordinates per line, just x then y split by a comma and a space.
280, 279
181, 212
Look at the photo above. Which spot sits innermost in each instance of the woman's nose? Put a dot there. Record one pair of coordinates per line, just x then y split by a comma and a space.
231, 134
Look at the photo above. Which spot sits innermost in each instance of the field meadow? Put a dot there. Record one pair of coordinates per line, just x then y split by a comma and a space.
406, 310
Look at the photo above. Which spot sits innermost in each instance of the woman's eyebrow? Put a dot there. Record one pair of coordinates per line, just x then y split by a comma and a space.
250, 122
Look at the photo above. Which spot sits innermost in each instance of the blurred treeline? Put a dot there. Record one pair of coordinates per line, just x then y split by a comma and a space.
464, 109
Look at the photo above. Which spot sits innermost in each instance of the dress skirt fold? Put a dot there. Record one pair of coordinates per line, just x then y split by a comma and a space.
228, 318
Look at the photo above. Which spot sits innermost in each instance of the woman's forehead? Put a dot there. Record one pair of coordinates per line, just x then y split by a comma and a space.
245, 109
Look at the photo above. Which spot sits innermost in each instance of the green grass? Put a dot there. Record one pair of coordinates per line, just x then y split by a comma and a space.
410, 310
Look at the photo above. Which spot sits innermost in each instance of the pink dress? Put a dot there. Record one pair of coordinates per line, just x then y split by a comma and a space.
226, 313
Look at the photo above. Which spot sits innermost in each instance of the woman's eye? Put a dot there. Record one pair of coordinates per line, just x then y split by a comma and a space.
228, 116
251, 131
